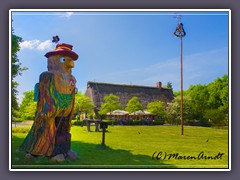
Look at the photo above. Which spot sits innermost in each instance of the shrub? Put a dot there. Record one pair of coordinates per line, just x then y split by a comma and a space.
116, 122
158, 122
137, 122
216, 117
77, 123
112, 122
24, 129
193, 122
129, 122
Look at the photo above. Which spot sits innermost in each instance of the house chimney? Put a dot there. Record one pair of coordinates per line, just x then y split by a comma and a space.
159, 85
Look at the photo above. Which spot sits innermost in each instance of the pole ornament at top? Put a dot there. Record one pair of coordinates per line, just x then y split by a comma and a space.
179, 32
55, 39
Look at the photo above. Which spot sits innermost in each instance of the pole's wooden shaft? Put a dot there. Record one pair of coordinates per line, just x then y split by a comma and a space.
103, 134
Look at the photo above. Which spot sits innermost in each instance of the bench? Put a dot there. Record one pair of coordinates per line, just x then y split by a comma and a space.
88, 124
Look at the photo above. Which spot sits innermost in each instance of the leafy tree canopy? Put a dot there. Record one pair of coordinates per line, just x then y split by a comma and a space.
207, 104
27, 108
157, 107
16, 70
83, 104
133, 105
173, 110
169, 85
111, 103
218, 93
199, 96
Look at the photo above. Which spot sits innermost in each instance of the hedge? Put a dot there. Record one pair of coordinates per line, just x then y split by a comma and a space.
116, 122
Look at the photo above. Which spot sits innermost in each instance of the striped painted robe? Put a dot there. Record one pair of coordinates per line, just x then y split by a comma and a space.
55, 99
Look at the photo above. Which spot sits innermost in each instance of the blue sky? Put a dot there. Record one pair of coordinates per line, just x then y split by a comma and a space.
126, 47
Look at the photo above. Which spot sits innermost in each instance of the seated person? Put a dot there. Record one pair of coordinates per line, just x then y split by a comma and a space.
150, 121
122, 121
145, 121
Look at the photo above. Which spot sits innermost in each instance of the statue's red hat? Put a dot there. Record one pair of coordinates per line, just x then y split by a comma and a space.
63, 50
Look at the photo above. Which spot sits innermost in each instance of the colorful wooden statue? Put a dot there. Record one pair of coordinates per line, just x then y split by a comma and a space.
50, 133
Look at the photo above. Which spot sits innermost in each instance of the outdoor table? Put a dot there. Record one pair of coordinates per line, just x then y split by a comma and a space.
88, 123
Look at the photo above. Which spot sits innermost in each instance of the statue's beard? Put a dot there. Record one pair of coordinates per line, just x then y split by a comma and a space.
66, 69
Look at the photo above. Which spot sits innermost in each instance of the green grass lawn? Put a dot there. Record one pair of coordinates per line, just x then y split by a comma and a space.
133, 147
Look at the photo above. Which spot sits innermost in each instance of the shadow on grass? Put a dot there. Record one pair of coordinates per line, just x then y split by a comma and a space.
90, 156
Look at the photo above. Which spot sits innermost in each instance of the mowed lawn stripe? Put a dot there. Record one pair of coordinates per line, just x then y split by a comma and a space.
133, 147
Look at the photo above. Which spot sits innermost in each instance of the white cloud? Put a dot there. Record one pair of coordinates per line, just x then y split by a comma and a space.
29, 44
67, 15
45, 45
37, 45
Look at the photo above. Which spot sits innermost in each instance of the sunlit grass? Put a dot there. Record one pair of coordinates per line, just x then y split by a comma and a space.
133, 147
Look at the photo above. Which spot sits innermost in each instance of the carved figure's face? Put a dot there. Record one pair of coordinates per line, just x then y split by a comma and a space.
67, 61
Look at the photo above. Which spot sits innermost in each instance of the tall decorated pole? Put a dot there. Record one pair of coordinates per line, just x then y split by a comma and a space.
180, 32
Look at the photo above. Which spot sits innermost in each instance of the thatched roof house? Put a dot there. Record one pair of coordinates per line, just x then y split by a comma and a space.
97, 91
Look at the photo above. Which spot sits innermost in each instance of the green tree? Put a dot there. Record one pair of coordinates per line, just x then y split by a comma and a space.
15, 116
216, 117
133, 105
111, 103
169, 85
157, 108
207, 104
218, 93
177, 93
218, 101
16, 70
199, 96
83, 104
173, 110
173, 113
28, 107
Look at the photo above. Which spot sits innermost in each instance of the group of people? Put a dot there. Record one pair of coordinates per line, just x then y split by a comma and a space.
148, 121
124, 121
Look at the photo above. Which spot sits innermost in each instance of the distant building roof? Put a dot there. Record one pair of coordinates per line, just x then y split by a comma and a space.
98, 90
